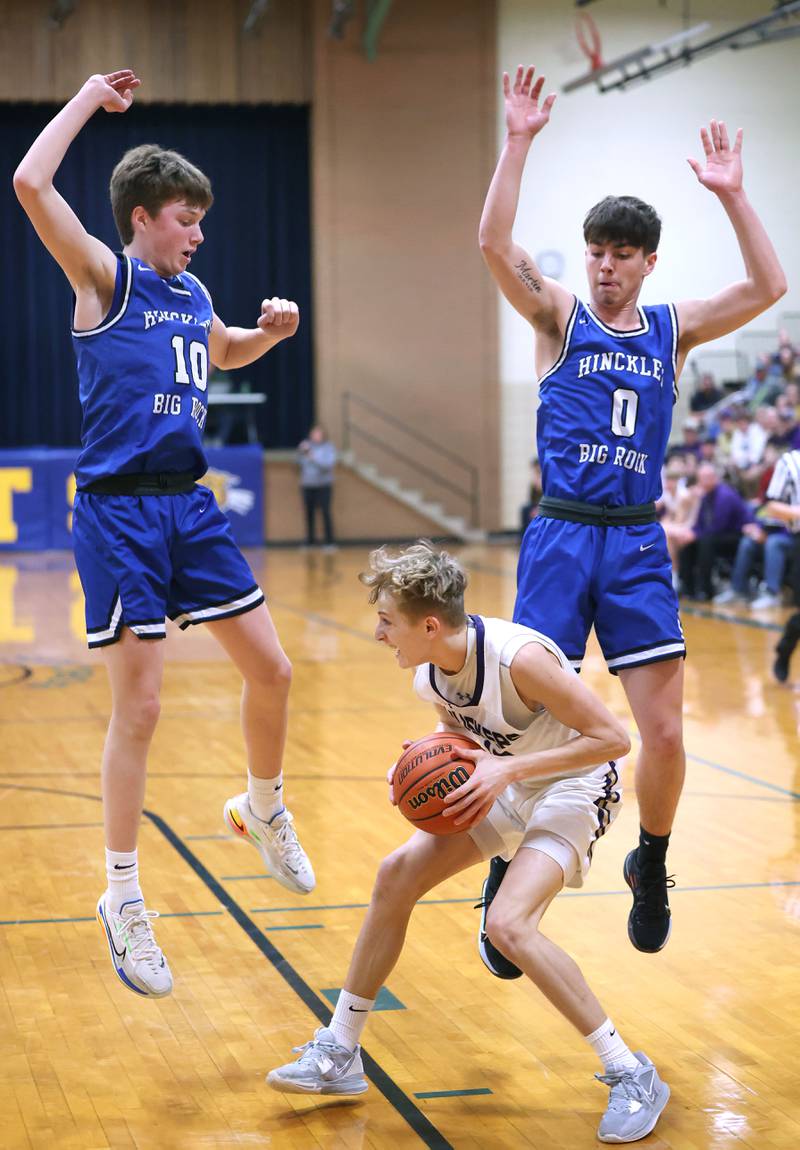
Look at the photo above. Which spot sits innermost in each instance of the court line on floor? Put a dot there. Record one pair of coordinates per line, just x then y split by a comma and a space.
736, 774
423, 902
743, 775
563, 894
400, 1102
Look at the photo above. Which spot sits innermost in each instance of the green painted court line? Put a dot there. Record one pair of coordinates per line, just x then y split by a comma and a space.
91, 917
298, 926
453, 1093
47, 826
385, 1000
563, 894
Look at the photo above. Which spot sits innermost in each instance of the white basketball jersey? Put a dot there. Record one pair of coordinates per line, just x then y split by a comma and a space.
482, 714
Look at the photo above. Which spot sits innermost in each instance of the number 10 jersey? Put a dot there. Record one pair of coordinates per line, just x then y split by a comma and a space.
605, 409
142, 377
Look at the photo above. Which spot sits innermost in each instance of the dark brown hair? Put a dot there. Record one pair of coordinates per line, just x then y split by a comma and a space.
150, 176
623, 220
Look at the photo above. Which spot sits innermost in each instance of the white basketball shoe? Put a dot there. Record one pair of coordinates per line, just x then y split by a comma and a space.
136, 957
276, 841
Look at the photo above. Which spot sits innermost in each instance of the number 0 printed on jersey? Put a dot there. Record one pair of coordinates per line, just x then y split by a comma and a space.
623, 413
198, 362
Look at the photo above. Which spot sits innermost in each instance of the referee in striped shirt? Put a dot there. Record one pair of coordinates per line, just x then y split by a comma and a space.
783, 495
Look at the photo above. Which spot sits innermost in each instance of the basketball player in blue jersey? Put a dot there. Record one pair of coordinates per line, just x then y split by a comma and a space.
608, 371
544, 791
149, 542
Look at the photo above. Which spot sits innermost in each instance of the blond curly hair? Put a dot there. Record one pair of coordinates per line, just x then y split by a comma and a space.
421, 580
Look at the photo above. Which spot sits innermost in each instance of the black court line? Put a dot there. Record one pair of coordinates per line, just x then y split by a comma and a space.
405, 1107
19, 673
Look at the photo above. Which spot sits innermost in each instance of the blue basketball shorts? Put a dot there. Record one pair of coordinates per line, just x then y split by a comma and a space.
145, 558
572, 576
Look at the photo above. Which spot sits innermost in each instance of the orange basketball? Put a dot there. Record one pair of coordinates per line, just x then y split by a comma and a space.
425, 774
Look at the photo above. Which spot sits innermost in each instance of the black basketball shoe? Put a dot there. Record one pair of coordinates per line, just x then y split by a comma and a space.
491, 957
650, 922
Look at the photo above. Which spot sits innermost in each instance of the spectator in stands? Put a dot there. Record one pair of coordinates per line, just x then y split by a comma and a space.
762, 387
692, 443
787, 434
708, 449
317, 458
784, 363
765, 539
724, 438
784, 503
721, 514
748, 442
677, 507
791, 395
706, 394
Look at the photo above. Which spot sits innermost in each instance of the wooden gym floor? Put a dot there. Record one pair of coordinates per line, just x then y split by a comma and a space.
457, 1058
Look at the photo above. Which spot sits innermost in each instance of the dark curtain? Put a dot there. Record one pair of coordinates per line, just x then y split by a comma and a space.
257, 244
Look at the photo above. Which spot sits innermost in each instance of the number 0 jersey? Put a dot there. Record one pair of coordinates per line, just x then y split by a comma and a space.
605, 409
142, 377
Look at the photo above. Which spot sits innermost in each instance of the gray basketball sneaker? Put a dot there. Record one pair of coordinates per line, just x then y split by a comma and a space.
324, 1067
636, 1101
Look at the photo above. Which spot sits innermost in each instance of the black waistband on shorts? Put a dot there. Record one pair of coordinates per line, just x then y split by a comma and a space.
161, 483
632, 516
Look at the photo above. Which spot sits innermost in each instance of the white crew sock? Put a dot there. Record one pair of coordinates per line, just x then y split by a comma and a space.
122, 871
350, 1018
610, 1049
265, 796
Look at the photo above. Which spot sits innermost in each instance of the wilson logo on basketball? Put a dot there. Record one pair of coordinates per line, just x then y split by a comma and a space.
434, 752
437, 790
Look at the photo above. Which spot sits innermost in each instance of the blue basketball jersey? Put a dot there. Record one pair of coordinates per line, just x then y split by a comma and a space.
606, 407
142, 377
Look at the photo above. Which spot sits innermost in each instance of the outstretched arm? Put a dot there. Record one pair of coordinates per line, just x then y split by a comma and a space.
764, 282
87, 262
232, 347
540, 300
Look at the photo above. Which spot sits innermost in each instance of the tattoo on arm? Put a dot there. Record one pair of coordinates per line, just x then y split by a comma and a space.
525, 273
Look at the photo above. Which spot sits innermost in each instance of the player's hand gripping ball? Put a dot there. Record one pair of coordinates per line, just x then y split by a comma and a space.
425, 774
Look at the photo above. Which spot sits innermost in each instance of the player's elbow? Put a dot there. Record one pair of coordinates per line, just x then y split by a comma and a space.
779, 287
491, 247
771, 288
619, 742
491, 241
26, 185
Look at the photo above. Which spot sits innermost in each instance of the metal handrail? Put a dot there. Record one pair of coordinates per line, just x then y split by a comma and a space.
470, 493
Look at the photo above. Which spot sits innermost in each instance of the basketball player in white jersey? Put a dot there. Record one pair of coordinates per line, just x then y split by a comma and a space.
544, 789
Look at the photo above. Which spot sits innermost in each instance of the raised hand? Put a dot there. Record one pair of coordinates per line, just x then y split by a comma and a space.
279, 317
723, 171
524, 115
114, 92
